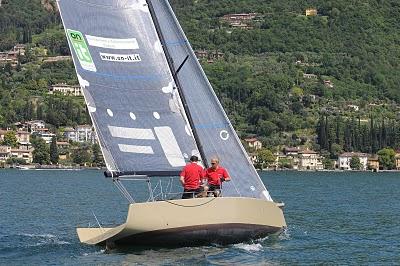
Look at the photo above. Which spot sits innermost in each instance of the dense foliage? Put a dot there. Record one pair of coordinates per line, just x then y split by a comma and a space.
336, 134
260, 79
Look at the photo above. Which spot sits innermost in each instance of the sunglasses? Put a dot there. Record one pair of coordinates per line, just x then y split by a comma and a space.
213, 163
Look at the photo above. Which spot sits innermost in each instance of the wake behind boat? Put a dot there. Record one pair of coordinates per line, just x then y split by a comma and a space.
152, 108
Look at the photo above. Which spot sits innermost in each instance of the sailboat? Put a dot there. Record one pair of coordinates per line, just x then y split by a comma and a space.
152, 108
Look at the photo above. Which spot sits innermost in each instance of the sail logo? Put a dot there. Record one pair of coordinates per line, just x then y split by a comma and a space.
163, 134
113, 43
81, 50
120, 57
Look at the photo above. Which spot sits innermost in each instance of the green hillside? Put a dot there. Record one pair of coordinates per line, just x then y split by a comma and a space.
280, 78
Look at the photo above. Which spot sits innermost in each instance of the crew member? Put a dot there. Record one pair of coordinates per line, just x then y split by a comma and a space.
191, 177
215, 175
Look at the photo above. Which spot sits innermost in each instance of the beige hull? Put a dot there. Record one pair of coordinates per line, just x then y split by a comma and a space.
191, 222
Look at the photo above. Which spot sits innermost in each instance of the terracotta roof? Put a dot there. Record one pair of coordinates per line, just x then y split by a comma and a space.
251, 140
352, 154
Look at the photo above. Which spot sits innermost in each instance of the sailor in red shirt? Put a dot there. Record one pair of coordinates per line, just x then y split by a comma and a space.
215, 175
191, 177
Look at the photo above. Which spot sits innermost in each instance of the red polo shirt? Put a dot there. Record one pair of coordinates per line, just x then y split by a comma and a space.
192, 173
214, 176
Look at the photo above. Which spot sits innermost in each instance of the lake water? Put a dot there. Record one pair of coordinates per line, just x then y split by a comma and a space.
333, 218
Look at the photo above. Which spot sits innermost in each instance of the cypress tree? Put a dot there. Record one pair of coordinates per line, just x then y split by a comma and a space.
53, 151
321, 131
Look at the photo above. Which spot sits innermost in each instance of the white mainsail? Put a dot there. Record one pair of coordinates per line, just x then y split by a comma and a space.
126, 54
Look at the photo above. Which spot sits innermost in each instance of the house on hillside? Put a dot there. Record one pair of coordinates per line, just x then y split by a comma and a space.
210, 56
310, 76
12, 55
36, 125
310, 12
52, 59
242, 20
23, 137
353, 107
5, 153
344, 160
64, 89
254, 143
23, 152
81, 133
291, 151
328, 83
2, 134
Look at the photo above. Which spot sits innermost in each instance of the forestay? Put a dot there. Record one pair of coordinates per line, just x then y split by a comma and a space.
128, 86
214, 130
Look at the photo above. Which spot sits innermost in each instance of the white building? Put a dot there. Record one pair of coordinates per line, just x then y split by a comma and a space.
81, 133
65, 89
310, 160
47, 136
345, 158
84, 133
36, 125
254, 143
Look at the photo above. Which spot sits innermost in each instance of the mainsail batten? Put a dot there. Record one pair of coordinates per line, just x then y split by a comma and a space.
128, 86
212, 124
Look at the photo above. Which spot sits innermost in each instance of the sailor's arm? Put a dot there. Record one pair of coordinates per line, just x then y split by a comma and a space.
225, 176
182, 179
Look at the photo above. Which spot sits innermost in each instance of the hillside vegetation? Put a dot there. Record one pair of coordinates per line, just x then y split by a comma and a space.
260, 79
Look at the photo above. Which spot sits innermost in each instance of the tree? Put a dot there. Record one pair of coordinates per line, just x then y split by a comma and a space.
53, 151
10, 139
328, 164
265, 156
97, 156
387, 158
80, 156
355, 163
41, 153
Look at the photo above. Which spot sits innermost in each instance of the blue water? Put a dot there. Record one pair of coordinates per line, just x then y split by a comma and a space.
333, 218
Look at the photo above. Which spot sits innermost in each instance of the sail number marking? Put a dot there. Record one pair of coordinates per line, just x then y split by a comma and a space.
81, 49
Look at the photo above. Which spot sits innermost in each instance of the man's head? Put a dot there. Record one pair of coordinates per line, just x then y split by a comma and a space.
214, 163
194, 158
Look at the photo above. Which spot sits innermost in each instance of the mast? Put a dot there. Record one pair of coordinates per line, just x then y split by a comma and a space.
176, 79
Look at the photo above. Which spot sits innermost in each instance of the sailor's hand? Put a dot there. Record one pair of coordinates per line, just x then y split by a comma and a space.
222, 179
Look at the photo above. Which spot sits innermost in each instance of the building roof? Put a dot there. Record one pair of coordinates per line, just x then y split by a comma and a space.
308, 152
251, 140
353, 154
83, 126
291, 149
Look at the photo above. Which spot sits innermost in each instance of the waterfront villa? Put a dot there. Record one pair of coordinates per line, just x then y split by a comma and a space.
310, 160
397, 158
373, 163
344, 160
